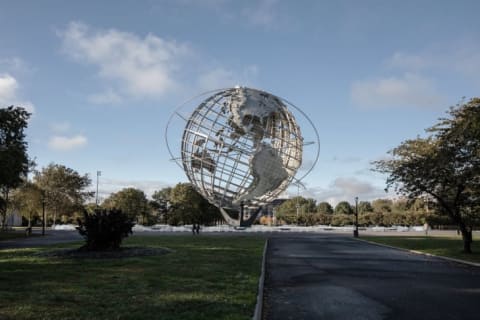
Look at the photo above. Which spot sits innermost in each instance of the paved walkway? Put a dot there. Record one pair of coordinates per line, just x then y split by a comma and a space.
331, 276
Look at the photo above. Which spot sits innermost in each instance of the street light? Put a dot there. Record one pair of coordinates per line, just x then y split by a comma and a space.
298, 198
43, 214
99, 173
355, 232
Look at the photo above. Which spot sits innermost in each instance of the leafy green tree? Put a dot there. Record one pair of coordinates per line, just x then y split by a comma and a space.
324, 208
161, 202
14, 162
188, 206
382, 205
307, 219
133, 202
401, 205
445, 166
343, 207
64, 189
305, 205
364, 207
27, 199
340, 219
323, 218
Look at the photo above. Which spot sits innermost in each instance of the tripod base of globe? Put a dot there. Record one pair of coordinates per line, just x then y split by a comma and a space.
241, 221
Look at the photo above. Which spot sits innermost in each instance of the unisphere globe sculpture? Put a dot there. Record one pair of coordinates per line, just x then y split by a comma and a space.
241, 146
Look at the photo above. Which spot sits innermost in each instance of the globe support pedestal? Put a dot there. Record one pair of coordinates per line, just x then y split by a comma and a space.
240, 222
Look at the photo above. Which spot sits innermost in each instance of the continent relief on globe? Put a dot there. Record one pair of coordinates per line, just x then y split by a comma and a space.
251, 111
268, 173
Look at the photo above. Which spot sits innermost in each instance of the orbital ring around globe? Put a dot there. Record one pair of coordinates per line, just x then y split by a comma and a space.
241, 146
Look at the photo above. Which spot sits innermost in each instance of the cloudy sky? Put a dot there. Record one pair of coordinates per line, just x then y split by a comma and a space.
102, 77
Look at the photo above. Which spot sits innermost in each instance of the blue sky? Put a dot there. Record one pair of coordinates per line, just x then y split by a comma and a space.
102, 78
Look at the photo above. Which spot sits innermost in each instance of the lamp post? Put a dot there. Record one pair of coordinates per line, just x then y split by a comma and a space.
242, 205
298, 198
44, 223
355, 231
99, 173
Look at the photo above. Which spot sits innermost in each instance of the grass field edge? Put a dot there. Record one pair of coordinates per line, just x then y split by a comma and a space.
473, 264
258, 313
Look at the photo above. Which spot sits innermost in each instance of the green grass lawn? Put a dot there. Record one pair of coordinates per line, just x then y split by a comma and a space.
441, 246
206, 277
6, 235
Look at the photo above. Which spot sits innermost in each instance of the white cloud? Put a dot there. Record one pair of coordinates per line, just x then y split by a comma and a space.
352, 186
409, 61
108, 186
216, 79
8, 87
219, 78
464, 59
343, 189
262, 14
9, 93
107, 97
62, 143
407, 90
148, 67
140, 67
60, 127
15, 65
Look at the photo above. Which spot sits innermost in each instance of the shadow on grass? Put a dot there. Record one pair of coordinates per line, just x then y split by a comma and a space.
192, 282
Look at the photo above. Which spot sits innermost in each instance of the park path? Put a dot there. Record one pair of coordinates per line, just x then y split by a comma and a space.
331, 276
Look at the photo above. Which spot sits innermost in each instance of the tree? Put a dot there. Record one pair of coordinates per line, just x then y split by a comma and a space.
104, 229
161, 201
343, 207
14, 162
27, 200
324, 208
63, 188
364, 207
188, 206
444, 166
305, 205
130, 201
382, 205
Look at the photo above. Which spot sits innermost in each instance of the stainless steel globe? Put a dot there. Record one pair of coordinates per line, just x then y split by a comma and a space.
241, 145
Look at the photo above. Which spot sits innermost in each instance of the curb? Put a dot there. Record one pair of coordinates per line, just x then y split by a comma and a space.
472, 264
257, 315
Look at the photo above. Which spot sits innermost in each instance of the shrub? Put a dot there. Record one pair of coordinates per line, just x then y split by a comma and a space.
104, 229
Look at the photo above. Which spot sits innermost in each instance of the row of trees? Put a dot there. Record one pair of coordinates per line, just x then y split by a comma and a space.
63, 193
383, 212
179, 205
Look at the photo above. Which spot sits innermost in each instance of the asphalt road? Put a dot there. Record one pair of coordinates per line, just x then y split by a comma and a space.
331, 276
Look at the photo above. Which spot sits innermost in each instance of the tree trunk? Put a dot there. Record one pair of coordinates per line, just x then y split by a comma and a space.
4, 211
467, 238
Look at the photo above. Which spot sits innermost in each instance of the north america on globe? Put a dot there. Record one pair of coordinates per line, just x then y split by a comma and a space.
241, 145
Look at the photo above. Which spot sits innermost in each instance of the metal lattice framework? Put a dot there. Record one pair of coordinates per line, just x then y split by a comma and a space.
241, 145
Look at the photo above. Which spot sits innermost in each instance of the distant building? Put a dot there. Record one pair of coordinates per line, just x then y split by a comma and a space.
14, 219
